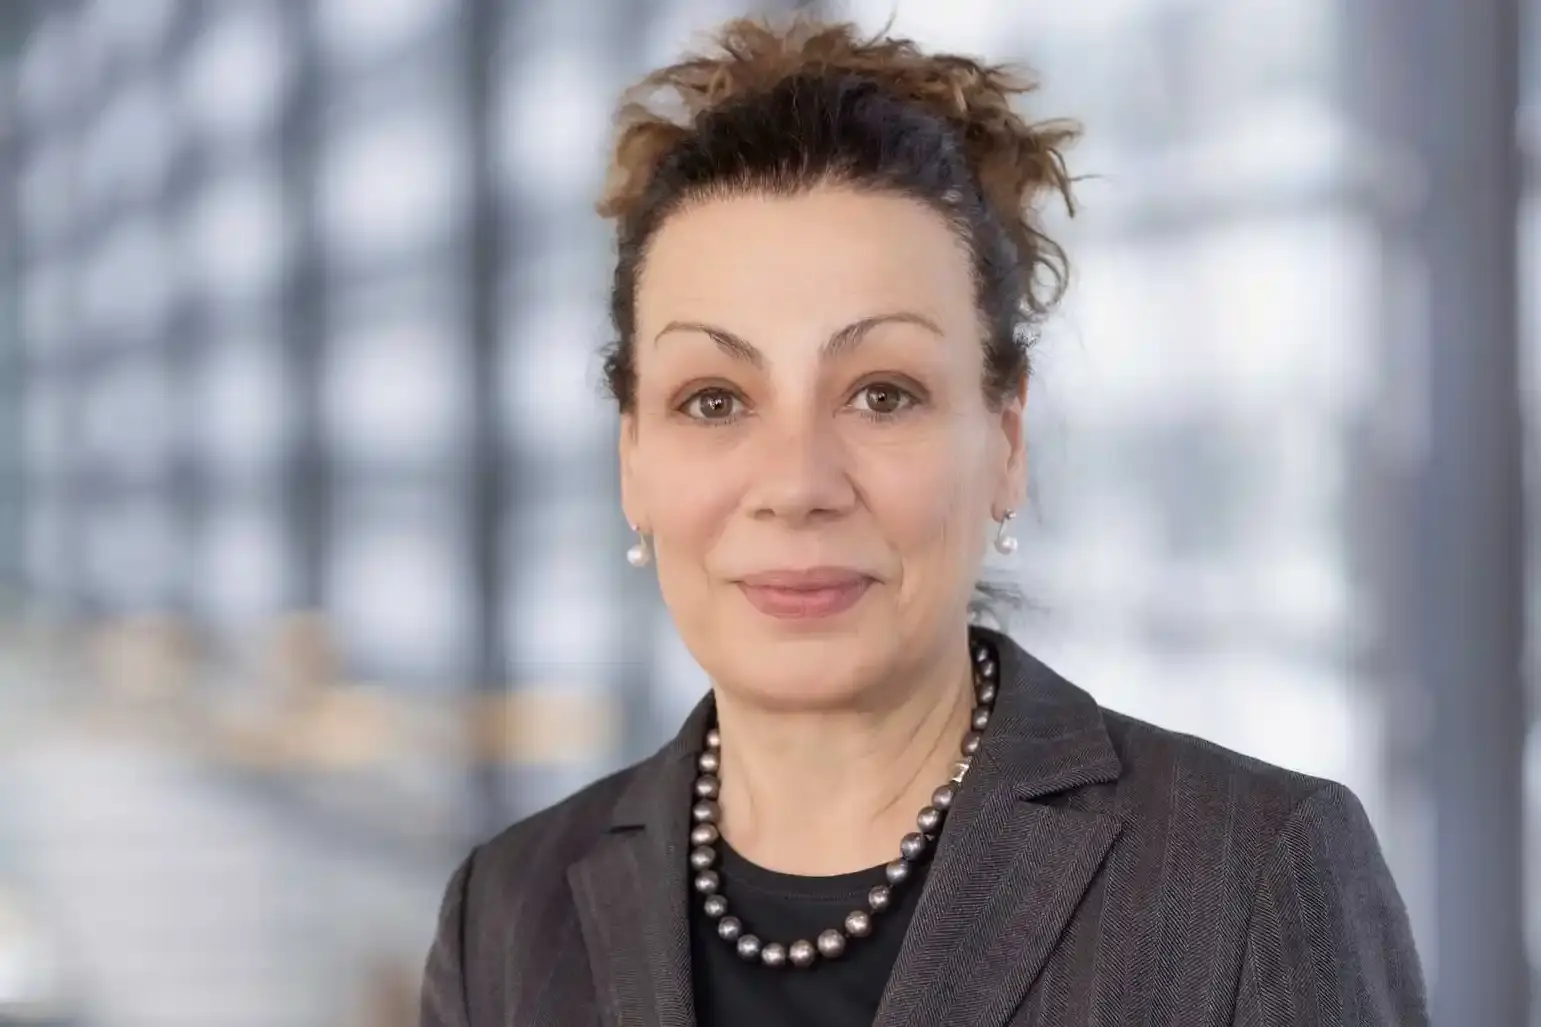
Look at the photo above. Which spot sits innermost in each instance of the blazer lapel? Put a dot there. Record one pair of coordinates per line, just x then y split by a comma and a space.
632, 892
1009, 872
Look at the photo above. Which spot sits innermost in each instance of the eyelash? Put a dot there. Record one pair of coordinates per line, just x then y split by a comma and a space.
910, 401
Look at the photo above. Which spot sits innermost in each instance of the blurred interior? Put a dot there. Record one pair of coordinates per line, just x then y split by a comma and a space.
311, 562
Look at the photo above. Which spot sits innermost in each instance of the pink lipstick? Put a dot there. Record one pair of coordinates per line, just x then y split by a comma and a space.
805, 594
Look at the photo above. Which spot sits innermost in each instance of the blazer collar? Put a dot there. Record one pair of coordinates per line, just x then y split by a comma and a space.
1046, 735
1007, 874
1009, 870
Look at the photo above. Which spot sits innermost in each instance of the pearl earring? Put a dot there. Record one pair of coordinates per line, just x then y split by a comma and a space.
1005, 542
640, 554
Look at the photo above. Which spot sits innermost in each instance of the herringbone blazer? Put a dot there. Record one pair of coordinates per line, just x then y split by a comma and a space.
1095, 870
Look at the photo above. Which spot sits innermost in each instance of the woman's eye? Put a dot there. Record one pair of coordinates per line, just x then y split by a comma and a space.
881, 398
711, 405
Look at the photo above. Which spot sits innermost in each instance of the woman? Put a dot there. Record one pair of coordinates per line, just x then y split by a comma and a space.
830, 266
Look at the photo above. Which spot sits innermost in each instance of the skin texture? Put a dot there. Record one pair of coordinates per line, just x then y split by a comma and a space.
809, 396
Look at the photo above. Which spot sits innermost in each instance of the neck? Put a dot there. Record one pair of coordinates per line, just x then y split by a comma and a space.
832, 791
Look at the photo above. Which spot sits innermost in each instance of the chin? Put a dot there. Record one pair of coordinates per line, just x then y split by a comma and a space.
801, 669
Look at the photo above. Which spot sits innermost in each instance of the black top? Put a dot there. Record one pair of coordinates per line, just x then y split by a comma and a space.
845, 992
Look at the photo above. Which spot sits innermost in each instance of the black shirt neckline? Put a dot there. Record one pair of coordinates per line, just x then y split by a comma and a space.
741, 873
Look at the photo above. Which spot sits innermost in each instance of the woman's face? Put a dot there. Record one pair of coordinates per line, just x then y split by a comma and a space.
810, 450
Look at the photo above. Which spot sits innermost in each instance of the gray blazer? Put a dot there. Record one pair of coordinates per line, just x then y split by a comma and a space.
1095, 870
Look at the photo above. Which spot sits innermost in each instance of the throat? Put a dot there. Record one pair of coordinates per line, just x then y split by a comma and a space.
812, 845
830, 795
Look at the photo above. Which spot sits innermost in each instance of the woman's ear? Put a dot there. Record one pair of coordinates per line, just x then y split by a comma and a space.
1012, 488
631, 486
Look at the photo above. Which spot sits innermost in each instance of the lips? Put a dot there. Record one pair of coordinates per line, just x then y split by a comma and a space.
805, 594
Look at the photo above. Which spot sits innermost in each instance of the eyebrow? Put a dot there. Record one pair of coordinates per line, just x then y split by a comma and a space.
843, 339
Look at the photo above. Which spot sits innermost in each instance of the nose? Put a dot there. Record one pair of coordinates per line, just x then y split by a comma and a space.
799, 472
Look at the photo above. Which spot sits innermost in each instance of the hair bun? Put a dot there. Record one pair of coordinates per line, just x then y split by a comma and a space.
1017, 162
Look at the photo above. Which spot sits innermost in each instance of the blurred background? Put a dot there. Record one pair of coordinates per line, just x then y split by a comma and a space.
311, 562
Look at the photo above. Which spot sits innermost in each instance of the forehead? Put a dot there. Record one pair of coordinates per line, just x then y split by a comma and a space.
818, 259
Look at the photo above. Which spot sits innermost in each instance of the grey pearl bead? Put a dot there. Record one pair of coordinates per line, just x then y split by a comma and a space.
707, 786
929, 820
774, 954
880, 898
858, 923
706, 812
981, 718
987, 669
704, 834
801, 952
971, 743
714, 739
897, 872
943, 796
912, 846
981, 653
987, 693
729, 928
709, 762
707, 882
831, 944
702, 857
748, 947
715, 906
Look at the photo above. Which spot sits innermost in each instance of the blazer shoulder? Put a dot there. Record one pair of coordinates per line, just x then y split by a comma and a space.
553, 838
529, 858
508, 898
1170, 775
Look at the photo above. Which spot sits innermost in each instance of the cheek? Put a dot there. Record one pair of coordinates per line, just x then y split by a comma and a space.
923, 477
690, 489
926, 493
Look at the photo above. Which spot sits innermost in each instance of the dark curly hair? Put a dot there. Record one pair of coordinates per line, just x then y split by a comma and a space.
782, 111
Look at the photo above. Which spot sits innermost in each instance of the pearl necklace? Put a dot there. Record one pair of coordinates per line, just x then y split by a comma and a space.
913, 848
